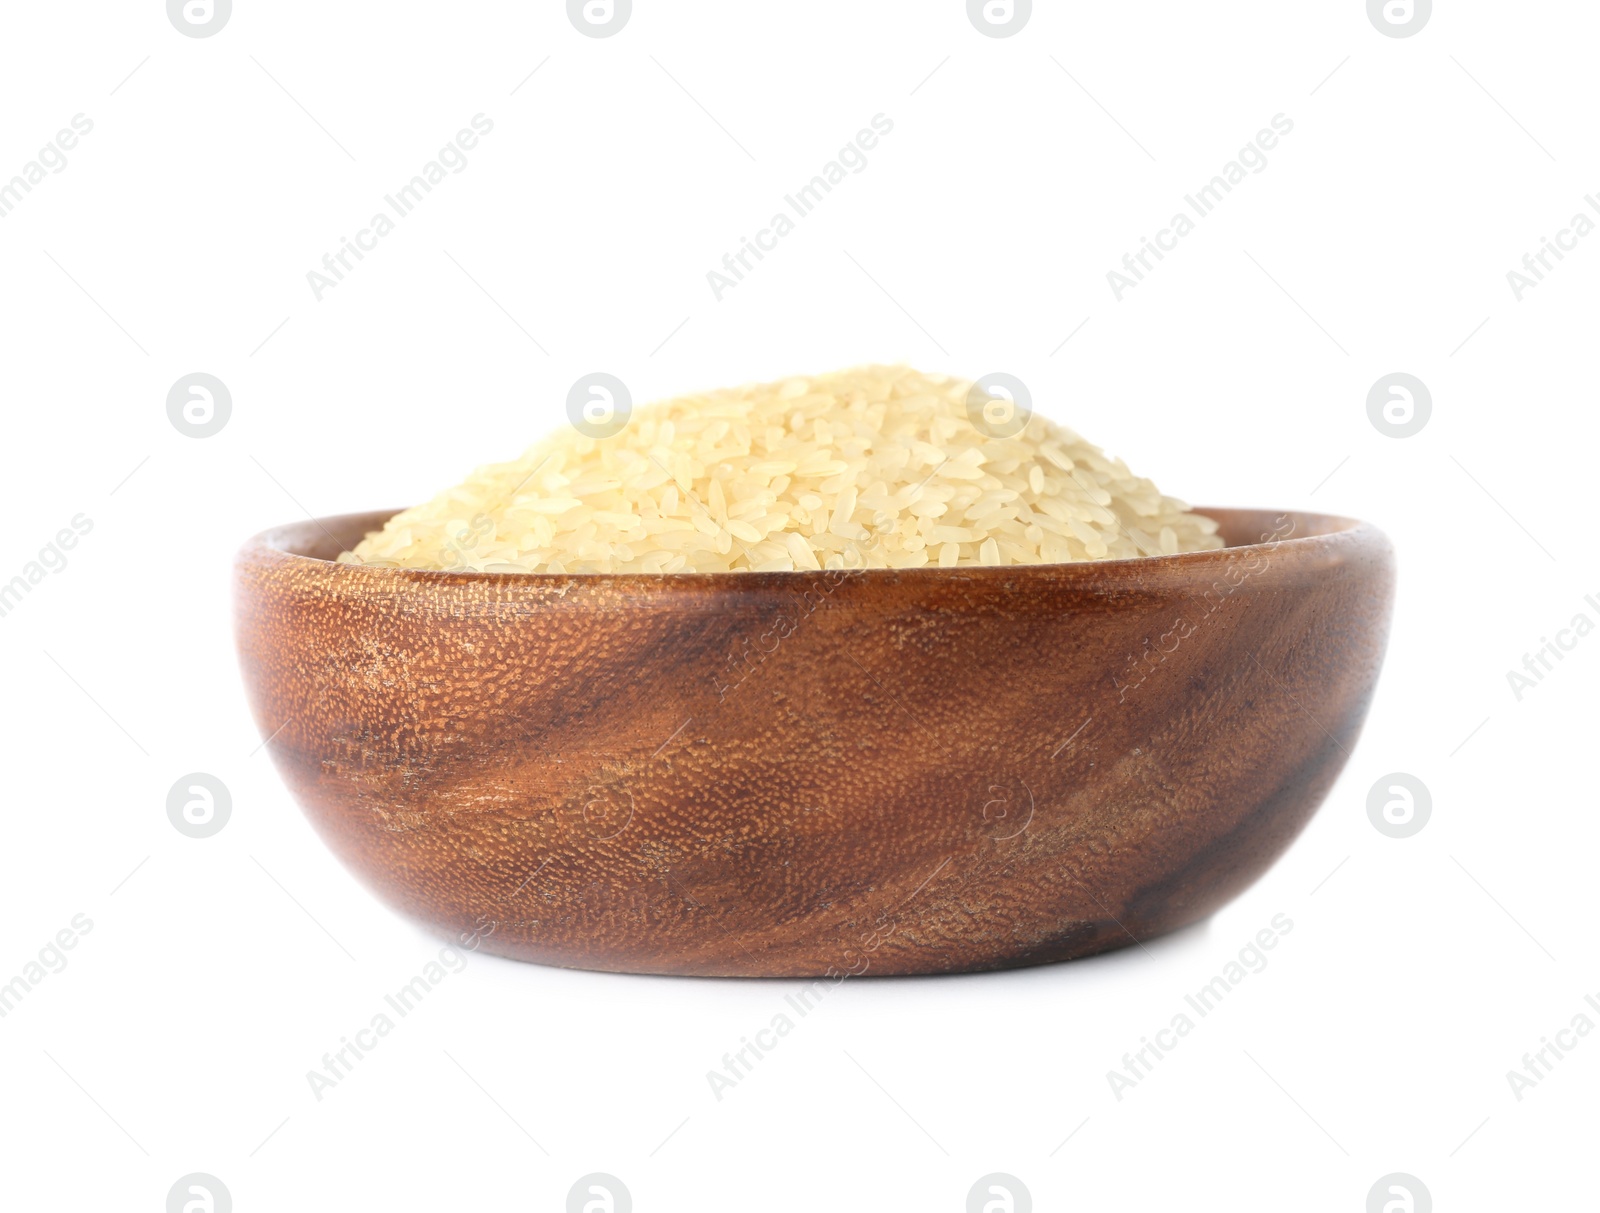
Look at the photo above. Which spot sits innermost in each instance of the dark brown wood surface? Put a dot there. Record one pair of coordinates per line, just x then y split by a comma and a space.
797, 774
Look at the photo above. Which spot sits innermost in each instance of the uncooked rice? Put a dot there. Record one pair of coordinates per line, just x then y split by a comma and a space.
875, 467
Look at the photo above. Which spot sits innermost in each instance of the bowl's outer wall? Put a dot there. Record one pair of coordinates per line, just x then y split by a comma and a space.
804, 774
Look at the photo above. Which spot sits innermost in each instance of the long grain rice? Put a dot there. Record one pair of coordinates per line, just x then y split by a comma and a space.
875, 467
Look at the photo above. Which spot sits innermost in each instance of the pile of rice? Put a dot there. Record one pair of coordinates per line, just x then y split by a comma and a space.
876, 467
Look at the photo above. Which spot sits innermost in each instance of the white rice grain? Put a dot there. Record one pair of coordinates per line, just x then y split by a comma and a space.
876, 467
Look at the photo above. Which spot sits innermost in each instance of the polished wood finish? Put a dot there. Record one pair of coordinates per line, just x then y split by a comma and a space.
798, 774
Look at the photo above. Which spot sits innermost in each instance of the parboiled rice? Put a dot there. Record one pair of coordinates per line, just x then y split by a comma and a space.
867, 468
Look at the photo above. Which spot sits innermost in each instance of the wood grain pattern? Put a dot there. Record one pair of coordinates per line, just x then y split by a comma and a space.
797, 774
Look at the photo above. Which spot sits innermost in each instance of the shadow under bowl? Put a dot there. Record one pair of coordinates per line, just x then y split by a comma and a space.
816, 774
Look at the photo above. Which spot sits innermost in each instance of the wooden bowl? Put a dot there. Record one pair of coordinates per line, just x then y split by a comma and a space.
814, 774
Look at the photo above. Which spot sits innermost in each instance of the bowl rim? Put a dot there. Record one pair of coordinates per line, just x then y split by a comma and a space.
281, 544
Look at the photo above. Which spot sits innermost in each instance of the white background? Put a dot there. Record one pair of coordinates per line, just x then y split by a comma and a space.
1378, 238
